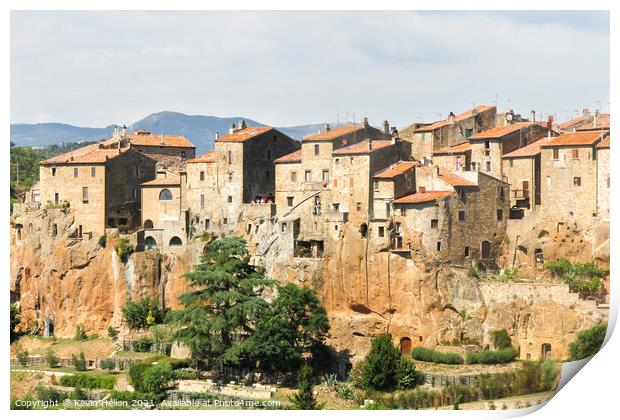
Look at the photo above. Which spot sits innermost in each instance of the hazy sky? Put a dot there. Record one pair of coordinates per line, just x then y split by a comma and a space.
288, 68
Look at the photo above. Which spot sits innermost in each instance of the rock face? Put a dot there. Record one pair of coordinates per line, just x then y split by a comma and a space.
366, 290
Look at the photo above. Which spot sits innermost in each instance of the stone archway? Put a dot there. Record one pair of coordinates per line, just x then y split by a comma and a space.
545, 351
405, 346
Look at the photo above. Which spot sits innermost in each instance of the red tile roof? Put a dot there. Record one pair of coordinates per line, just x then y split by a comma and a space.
456, 118
93, 153
499, 132
454, 150
578, 138
170, 179
425, 197
602, 123
396, 169
334, 132
362, 147
244, 134
209, 157
530, 150
582, 119
455, 180
290, 158
605, 143
144, 138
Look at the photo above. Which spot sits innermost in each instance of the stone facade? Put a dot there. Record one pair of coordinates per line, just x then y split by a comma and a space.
603, 178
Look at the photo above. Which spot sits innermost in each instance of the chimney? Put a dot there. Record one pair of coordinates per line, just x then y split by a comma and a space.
533, 116
327, 127
369, 144
124, 130
242, 125
586, 112
231, 130
161, 139
437, 172
596, 115
365, 122
548, 135
217, 135
386, 128
451, 117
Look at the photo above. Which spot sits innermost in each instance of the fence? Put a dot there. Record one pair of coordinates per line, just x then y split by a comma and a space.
120, 363
437, 380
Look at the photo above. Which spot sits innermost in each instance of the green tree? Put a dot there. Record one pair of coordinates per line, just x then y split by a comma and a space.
225, 300
588, 342
304, 398
295, 323
108, 364
15, 319
112, 332
406, 374
381, 364
136, 314
79, 362
22, 356
51, 358
501, 339
80, 332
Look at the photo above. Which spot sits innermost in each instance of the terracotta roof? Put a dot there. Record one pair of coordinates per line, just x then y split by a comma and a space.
244, 134
396, 169
170, 179
87, 154
144, 138
602, 123
334, 132
425, 197
208, 157
456, 118
455, 180
454, 150
605, 143
578, 138
582, 119
499, 132
530, 150
290, 158
362, 147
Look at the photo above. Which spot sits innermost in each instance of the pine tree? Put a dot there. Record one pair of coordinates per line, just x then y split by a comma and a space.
304, 399
224, 301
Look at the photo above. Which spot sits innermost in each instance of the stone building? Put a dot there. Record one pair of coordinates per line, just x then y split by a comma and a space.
603, 180
488, 147
453, 158
169, 151
454, 130
586, 121
569, 171
455, 216
100, 183
389, 184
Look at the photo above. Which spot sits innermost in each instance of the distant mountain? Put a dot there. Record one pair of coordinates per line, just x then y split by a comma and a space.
200, 129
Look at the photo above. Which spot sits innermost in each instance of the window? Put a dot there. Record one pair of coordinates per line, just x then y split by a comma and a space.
358, 206
268, 153
461, 192
182, 153
422, 189
466, 253
376, 184
175, 241
289, 201
293, 176
165, 195
422, 136
511, 162
461, 215
337, 162
351, 160
56, 198
438, 246
335, 206
434, 223
53, 171
84, 194
225, 220
202, 175
403, 211
207, 223
487, 148
230, 199
556, 154
577, 181
229, 157
202, 200
76, 172
230, 176
316, 150
93, 171
500, 215
575, 153
148, 224
283, 227
468, 132
308, 176
275, 138
381, 231
325, 175
488, 166
267, 175
249, 229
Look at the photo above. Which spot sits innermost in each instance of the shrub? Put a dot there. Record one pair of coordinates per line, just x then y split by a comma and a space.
381, 364
79, 363
123, 249
112, 332
22, 356
304, 398
151, 379
585, 279
185, 373
108, 364
50, 394
492, 357
80, 332
588, 342
79, 394
345, 392
406, 374
143, 345
137, 313
103, 239
51, 358
429, 355
501, 339
471, 272
89, 381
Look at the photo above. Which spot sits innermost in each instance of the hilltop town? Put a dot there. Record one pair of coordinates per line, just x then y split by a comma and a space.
438, 232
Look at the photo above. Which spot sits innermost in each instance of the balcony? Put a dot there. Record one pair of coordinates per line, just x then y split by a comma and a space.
521, 198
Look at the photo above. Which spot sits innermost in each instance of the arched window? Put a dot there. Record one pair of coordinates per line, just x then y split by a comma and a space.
486, 249
175, 241
54, 230
18, 231
148, 224
165, 195
405, 346
151, 243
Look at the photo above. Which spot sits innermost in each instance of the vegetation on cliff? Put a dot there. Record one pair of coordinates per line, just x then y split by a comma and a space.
585, 279
138, 314
588, 342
